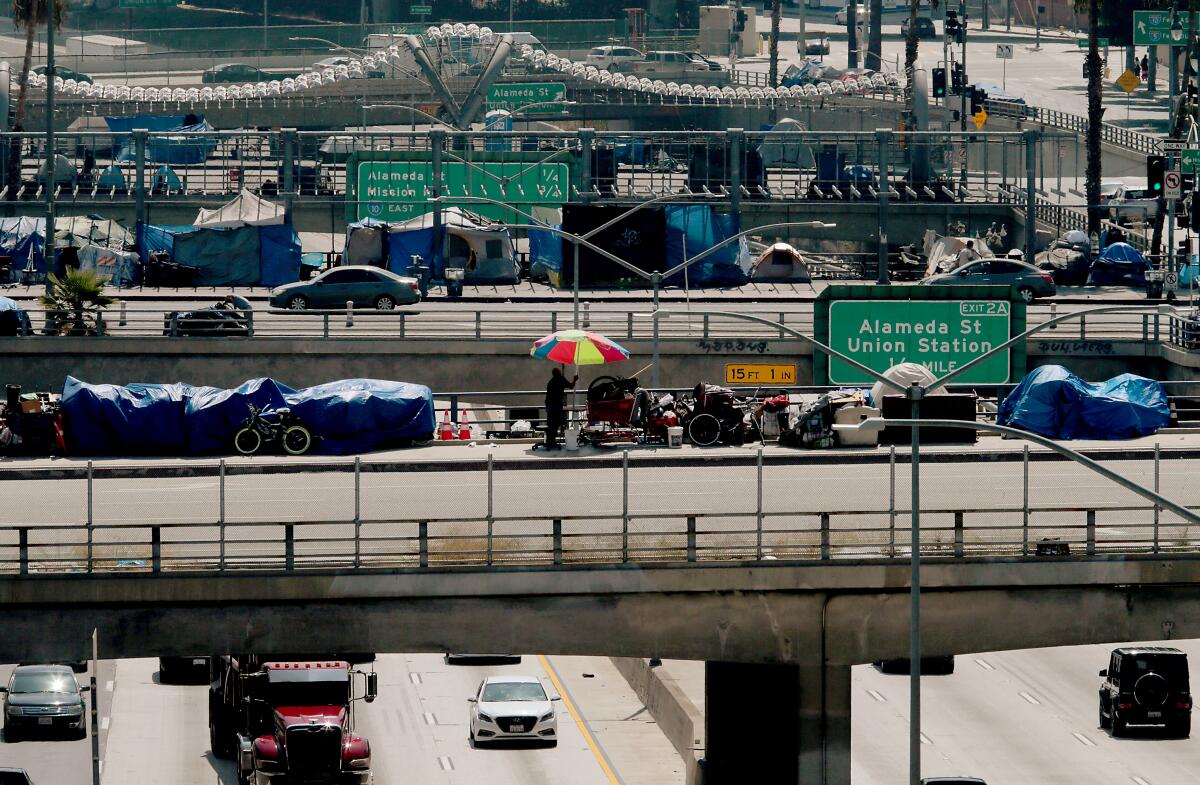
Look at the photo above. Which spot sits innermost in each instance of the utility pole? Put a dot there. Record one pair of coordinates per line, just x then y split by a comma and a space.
51, 72
801, 42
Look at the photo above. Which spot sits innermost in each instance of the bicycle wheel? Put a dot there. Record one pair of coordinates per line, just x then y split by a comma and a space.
296, 440
247, 441
704, 430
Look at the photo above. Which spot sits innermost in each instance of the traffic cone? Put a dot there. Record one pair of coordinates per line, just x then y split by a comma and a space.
446, 429
464, 427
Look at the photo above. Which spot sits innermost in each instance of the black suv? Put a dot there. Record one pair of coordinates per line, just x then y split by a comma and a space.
1146, 686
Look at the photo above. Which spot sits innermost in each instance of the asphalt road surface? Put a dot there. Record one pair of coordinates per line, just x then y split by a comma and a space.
59, 761
417, 728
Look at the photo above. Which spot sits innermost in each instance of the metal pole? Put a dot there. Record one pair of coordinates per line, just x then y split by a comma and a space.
490, 508
357, 511
1025, 501
95, 702
1031, 138
90, 520
883, 136
51, 180
1156, 481
1171, 260
758, 545
801, 42
655, 280
575, 281
221, 511
265, 2
625, 505
915, 392
892, 501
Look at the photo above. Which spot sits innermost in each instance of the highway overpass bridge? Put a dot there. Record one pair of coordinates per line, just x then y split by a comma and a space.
779, 637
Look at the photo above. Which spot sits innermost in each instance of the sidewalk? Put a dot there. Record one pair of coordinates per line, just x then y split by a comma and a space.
471, 456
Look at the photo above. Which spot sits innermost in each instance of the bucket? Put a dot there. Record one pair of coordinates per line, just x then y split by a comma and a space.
571, 438
675, 436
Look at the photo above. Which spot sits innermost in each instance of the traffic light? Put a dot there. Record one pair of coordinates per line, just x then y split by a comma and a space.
739, 24
939, 83
951, 25
978, 96
958, 77
1156, 171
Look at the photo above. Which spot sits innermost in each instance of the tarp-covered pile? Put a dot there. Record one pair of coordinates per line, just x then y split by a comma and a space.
190, 146
1054, 402
1120, 264
483, 250
346, 417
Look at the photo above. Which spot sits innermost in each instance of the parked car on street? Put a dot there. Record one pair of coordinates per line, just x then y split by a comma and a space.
1030, 282
842, 14
925, 28
336, 60
365, 286
63, 73
613, 58
1146, 685
817, 46
43, 698
512, 708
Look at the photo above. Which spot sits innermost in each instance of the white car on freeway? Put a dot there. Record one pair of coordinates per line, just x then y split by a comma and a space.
513, 708
614, 58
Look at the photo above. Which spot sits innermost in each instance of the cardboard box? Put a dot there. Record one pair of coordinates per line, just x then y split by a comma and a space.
31, 407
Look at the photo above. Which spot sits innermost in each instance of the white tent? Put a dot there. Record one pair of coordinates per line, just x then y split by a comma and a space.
246, 209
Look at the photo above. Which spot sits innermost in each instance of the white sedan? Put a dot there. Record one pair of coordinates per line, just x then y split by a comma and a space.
513, 708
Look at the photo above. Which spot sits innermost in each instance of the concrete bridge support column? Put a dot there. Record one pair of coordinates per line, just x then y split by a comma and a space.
776, 724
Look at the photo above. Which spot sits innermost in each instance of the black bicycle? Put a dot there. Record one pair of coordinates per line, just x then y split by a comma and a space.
269, 428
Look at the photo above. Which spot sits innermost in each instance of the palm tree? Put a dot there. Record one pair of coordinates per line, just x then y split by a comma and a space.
70, 299
874, 61
910, 39
775, 12
1095, 117
30, 14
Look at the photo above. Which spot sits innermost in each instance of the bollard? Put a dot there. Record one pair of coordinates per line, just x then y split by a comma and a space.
691, 538
558, 544
1091, 532
289, 546
423, 543
958, 534
23, 549
825, 549
121, 319
155, 549
349, 313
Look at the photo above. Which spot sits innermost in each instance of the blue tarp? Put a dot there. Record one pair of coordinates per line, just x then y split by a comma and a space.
23, 238
401, 246
151, 122
153, 238
545, 252
347, 417
1054, 402
182, 149
222, 257
280, 255
1119, 264
703, 227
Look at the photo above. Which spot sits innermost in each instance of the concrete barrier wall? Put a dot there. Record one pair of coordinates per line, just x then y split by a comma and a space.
678, 718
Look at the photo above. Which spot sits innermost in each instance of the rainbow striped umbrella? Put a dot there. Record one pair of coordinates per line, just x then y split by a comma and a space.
578, 347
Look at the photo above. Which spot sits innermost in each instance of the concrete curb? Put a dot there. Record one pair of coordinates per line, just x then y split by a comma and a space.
717, 456
678, 718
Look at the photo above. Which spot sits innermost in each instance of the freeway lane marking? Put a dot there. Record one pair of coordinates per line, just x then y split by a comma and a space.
429, 718
1030, 699
1139, 781
987, 666
877, 696
445, 763
601, 758
415, 678
925, 739
1084, 740
104, 723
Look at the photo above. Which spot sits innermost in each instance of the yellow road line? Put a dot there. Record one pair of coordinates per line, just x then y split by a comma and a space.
587, 734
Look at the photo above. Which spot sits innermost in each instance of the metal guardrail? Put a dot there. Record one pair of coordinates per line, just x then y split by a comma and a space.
1114, 135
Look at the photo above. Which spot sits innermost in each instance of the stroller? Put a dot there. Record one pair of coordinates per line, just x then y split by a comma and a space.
715, 415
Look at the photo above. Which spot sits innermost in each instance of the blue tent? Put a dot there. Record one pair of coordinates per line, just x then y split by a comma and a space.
703, 227
1119, 264
23, 239
1054, 402
347, 417
152, 238
279, 260
112, 177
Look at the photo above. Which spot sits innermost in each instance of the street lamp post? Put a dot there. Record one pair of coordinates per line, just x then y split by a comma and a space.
915, 394
1173, 60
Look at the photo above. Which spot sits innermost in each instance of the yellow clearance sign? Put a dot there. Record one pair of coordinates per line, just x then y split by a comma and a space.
751, 373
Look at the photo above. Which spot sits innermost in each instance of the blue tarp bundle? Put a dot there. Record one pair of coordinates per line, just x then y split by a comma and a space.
279, 263
151, 122
545, 252
402, 246
1054, 402
1119, 264
222, 254
23, 238
186, 148
703, 228
347, 417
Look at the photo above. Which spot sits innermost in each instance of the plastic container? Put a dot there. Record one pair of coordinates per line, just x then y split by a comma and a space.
571, 438
853, 415
675, 436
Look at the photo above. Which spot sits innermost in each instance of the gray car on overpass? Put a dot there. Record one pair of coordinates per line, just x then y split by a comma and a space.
365, 286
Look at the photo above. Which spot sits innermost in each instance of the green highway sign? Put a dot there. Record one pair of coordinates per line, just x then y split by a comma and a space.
1154, 28
1101, 43
420, 10
942, 335
510, 96
395, 190
1190, 159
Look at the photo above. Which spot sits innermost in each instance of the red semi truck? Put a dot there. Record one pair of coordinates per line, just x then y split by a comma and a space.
289, 721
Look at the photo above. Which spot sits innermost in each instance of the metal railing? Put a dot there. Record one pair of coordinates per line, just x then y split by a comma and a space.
1114, 135
488, 533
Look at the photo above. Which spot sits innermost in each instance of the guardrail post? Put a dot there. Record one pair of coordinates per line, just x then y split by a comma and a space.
758, 529
121, 321
288, 186
892, 502
705, 327
490, 508
556, 533
423, 543
691, 538
402, 325
23, 549
1083, 328
1156, 508
825, 535
1156, 333
325, 327
735, 138
357, 511
624, 506
587, 137
554, 321
156, 549
958, 533
139, 174
90, 519
479, 324
349, 313
221, 512
1091, 532
782, 318
1031, 140
1145, 327
884, 138
1025, 501
289, 546
629, 325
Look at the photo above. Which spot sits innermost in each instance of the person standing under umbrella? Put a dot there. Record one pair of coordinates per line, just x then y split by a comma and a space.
556, 390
